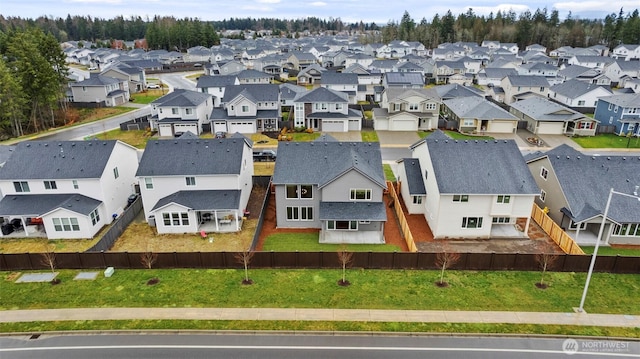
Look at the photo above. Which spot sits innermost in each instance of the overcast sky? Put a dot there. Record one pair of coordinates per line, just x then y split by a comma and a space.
379, 11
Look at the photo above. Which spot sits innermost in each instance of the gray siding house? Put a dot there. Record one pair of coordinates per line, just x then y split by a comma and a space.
336, 187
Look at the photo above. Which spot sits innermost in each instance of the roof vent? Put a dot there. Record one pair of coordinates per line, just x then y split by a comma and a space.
608, 158
624, 158
578, 157
466, 141
558, 156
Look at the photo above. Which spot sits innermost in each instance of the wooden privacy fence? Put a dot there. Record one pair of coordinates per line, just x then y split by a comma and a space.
562, 239
300, 260
402, 220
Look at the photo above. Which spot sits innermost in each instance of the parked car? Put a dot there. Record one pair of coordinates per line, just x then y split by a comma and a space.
220, 134
153, 86
264, 155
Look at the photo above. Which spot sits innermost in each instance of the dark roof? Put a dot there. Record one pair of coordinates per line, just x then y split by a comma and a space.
192, 157
254, 92
490, 166
414, 179
411, 78
586, 181
97, 80
338, 78
182, 98
37, 205
353, 211
215, 81
530, 81
57, 160
322, 162
455, 90
202, 200
322, 94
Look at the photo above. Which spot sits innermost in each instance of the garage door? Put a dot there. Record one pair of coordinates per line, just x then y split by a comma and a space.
333, 126
381, 124
501, 127
219, 127
242, 127
354, 125
165, 131
181, 128
550, 128
404, 125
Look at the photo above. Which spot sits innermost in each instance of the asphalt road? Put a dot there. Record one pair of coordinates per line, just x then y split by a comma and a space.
177, 80
159, 346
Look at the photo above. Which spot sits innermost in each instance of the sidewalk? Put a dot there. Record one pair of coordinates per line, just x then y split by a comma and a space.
314, 314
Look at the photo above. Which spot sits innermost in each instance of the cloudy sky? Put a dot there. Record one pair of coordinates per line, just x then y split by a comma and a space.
379, 11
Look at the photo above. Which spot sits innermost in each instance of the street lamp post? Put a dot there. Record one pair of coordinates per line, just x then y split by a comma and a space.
599, 238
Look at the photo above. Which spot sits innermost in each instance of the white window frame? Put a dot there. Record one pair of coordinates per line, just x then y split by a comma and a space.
21, 186
504, 199
573, 225
190, 181
95, 216
75, 184
543, 195
468, 123
417, 199
501, 220
472, 222
175, 219
354, 194
460, 198
116, 173
332, 225
544, 173
66, 224
50, 185
148, 182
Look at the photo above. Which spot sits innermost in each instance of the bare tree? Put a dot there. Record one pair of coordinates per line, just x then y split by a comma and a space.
48, 258
345, 258
244, 257
444, 260
546, 259
148, 258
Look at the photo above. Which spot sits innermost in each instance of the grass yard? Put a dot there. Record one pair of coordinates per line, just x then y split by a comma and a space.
315, 288
94, 114
308, 242
136, 138
38, 245
147, 96
303, 136
263, 140
263, 168
388, 173
139, 237
320, 326
369, 136
607, 140
613, 251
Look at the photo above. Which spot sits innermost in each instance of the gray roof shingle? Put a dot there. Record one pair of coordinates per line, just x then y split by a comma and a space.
37, 205
414, 178
202, 200
353, 211
182, 98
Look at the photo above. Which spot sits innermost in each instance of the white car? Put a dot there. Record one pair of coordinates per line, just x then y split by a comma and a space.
153, 86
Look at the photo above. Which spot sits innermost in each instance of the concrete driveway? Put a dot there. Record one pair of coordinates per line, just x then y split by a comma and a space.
351, 136
397, 138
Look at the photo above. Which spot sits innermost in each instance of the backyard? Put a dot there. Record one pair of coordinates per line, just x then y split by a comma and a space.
608, 140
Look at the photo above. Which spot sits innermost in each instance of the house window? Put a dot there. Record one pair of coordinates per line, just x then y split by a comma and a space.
543, 195
610, 107
338, 106
245, 108
501, 220
306, 191
342, 225
323, 106
188, 111
84, 89
574, 226
585, 125
75, 184
541, 89
544, 173
175, 219
417, 199
66, 224
615, 109
95, 217
50, 185
300, 213
468, 123
116, 174
22, 186
460, 198
504, 199
627, 229
581, 103
471, 222
148, 183
610, 119
191, 181
360, 194
413, 107
294, 191
430, 106
174, 111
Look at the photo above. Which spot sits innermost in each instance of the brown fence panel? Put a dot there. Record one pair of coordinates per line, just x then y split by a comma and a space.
285, 260
188, 260
479, 261
117, 259
93, 260
626, 265
310, 260
575, 264
20, 261
261, 259
426, 260
211, 259
503, 261
381, 260
69, 260
604, 263
405, 260
525, 262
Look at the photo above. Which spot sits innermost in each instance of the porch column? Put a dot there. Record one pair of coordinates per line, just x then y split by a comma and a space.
609, 231
526, 226
577, 232
24, 225
237, 222
215, 218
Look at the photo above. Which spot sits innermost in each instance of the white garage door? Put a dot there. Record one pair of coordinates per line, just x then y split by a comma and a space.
182, 128
333, 126
501, 127
219, 126
242, 127
355, 125
550, 128
404, 125
165, 131
381, 124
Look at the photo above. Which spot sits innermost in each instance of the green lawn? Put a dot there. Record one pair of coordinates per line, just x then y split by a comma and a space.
311, 288
308, 242
303, 136
147, 97
136, 138
388, 173
607, 140
612, 251
369, 136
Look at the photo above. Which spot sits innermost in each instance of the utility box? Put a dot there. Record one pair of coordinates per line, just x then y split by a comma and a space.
108, 272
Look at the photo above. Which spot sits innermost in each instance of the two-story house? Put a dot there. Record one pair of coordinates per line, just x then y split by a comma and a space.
216, 86
100, 90
342, 82
192, 185
621, 111
626, 52
340, 191
322, 109
248, 109
574, 188
407, 110
135, 76
545, 117
517, 87
478, 115
65, 189
486, 197
180, 111
403, 80
579, 94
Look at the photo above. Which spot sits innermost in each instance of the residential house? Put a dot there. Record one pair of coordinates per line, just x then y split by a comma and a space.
248, 109
288, 93
65, 189
454, 90
342, 82
517, 87
254, 77
365, 77
135, 76
196, 185
363, 60
626, 52
575, 93
216, 86
585, 74
227, 68
383, 66
619, 69
478, 115
340, 192
180, 111
197, 54
403, 80
490, 196
621, 111
407, 110
592, 62
493, 76
574, 190
310, 75
100, 90
299, 60
545, 117
536, 47
326, 110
